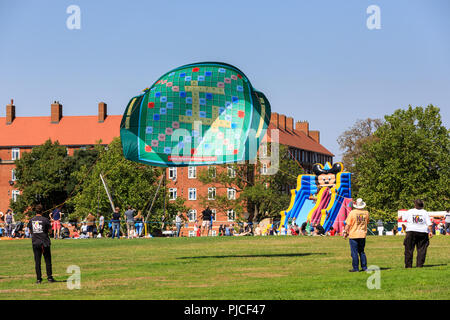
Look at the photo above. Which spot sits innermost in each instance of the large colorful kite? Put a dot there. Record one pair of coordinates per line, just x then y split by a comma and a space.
197, 114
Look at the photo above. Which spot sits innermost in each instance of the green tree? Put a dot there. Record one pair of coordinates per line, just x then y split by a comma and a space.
408, 158
351, 142
260, 195
130, 184
42, 177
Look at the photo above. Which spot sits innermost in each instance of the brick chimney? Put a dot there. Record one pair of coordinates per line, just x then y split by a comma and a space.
56, 112
274, 119
315, 135
289, 123
282, 122
302, 126
102, 114
10, 112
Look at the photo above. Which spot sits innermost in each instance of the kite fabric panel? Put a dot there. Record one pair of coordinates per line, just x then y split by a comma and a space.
197, 114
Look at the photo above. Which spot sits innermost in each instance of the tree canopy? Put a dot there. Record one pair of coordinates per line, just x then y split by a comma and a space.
407, 158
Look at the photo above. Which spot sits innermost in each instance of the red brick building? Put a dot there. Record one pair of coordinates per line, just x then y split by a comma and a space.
21, 134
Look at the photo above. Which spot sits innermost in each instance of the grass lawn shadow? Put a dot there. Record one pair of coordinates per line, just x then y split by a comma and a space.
276, 255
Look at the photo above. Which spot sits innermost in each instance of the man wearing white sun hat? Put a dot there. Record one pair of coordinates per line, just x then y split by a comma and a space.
356, 231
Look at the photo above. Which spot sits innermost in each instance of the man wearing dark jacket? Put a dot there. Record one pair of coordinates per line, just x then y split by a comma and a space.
40, 227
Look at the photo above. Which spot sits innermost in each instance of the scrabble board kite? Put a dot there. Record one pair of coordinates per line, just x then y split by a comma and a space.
197, 114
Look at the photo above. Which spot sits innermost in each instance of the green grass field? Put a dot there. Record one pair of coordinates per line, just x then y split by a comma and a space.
224, 268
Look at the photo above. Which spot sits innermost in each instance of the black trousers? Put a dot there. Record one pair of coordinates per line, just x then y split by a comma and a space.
40, 250
412, 240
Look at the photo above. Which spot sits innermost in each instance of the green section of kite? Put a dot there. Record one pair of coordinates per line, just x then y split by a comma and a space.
198, 114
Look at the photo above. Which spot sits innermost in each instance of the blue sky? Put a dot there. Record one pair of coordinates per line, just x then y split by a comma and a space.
314, 60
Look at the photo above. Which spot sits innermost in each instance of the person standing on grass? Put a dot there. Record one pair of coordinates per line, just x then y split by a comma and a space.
356, 231
178, 223
418, 233
40, 227
115, 223
9, 221
101, 224
206, 224
129, 215
447, 222
139, 223
90, 223
55, 218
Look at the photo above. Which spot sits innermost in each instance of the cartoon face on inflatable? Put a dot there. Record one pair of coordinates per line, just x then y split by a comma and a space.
326, 176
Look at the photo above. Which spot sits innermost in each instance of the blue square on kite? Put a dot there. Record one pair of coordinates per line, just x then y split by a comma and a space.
189, 112
167, 150
169, 105
149, 130
182, 75
163, 99
156, 117
182, 94
209, 96
189, 100
202, 101
188, 78
157, 94
208, 73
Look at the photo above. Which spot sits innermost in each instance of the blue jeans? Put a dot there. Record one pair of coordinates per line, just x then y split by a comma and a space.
116, 229
178, 224
357, 251
139, 227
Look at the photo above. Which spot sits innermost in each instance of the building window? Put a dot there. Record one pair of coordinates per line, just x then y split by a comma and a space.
213, 233
13, 175
231, 214
172, 193
192, 215
211, 193
192, 194
15, 195
231, 193
192, 172
212, 171
191, 233
15, 154
264, 169
173, 173
213, 214
263, 150
231, 172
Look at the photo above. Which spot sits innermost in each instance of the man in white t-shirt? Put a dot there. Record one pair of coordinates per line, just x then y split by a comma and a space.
418, 233
447, 222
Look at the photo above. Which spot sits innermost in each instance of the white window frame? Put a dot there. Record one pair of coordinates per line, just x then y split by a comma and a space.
264, 168
212, 169
231, 191
173, 173
190, 212
195, 194
233, 213
211, 190
15, 153
231, 172
192, 172
191, 233
14, 195
172, 193
13, 175
213, 233
263, 150
214, 214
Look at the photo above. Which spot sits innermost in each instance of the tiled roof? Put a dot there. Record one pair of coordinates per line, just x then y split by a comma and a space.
71, 130
298, 139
